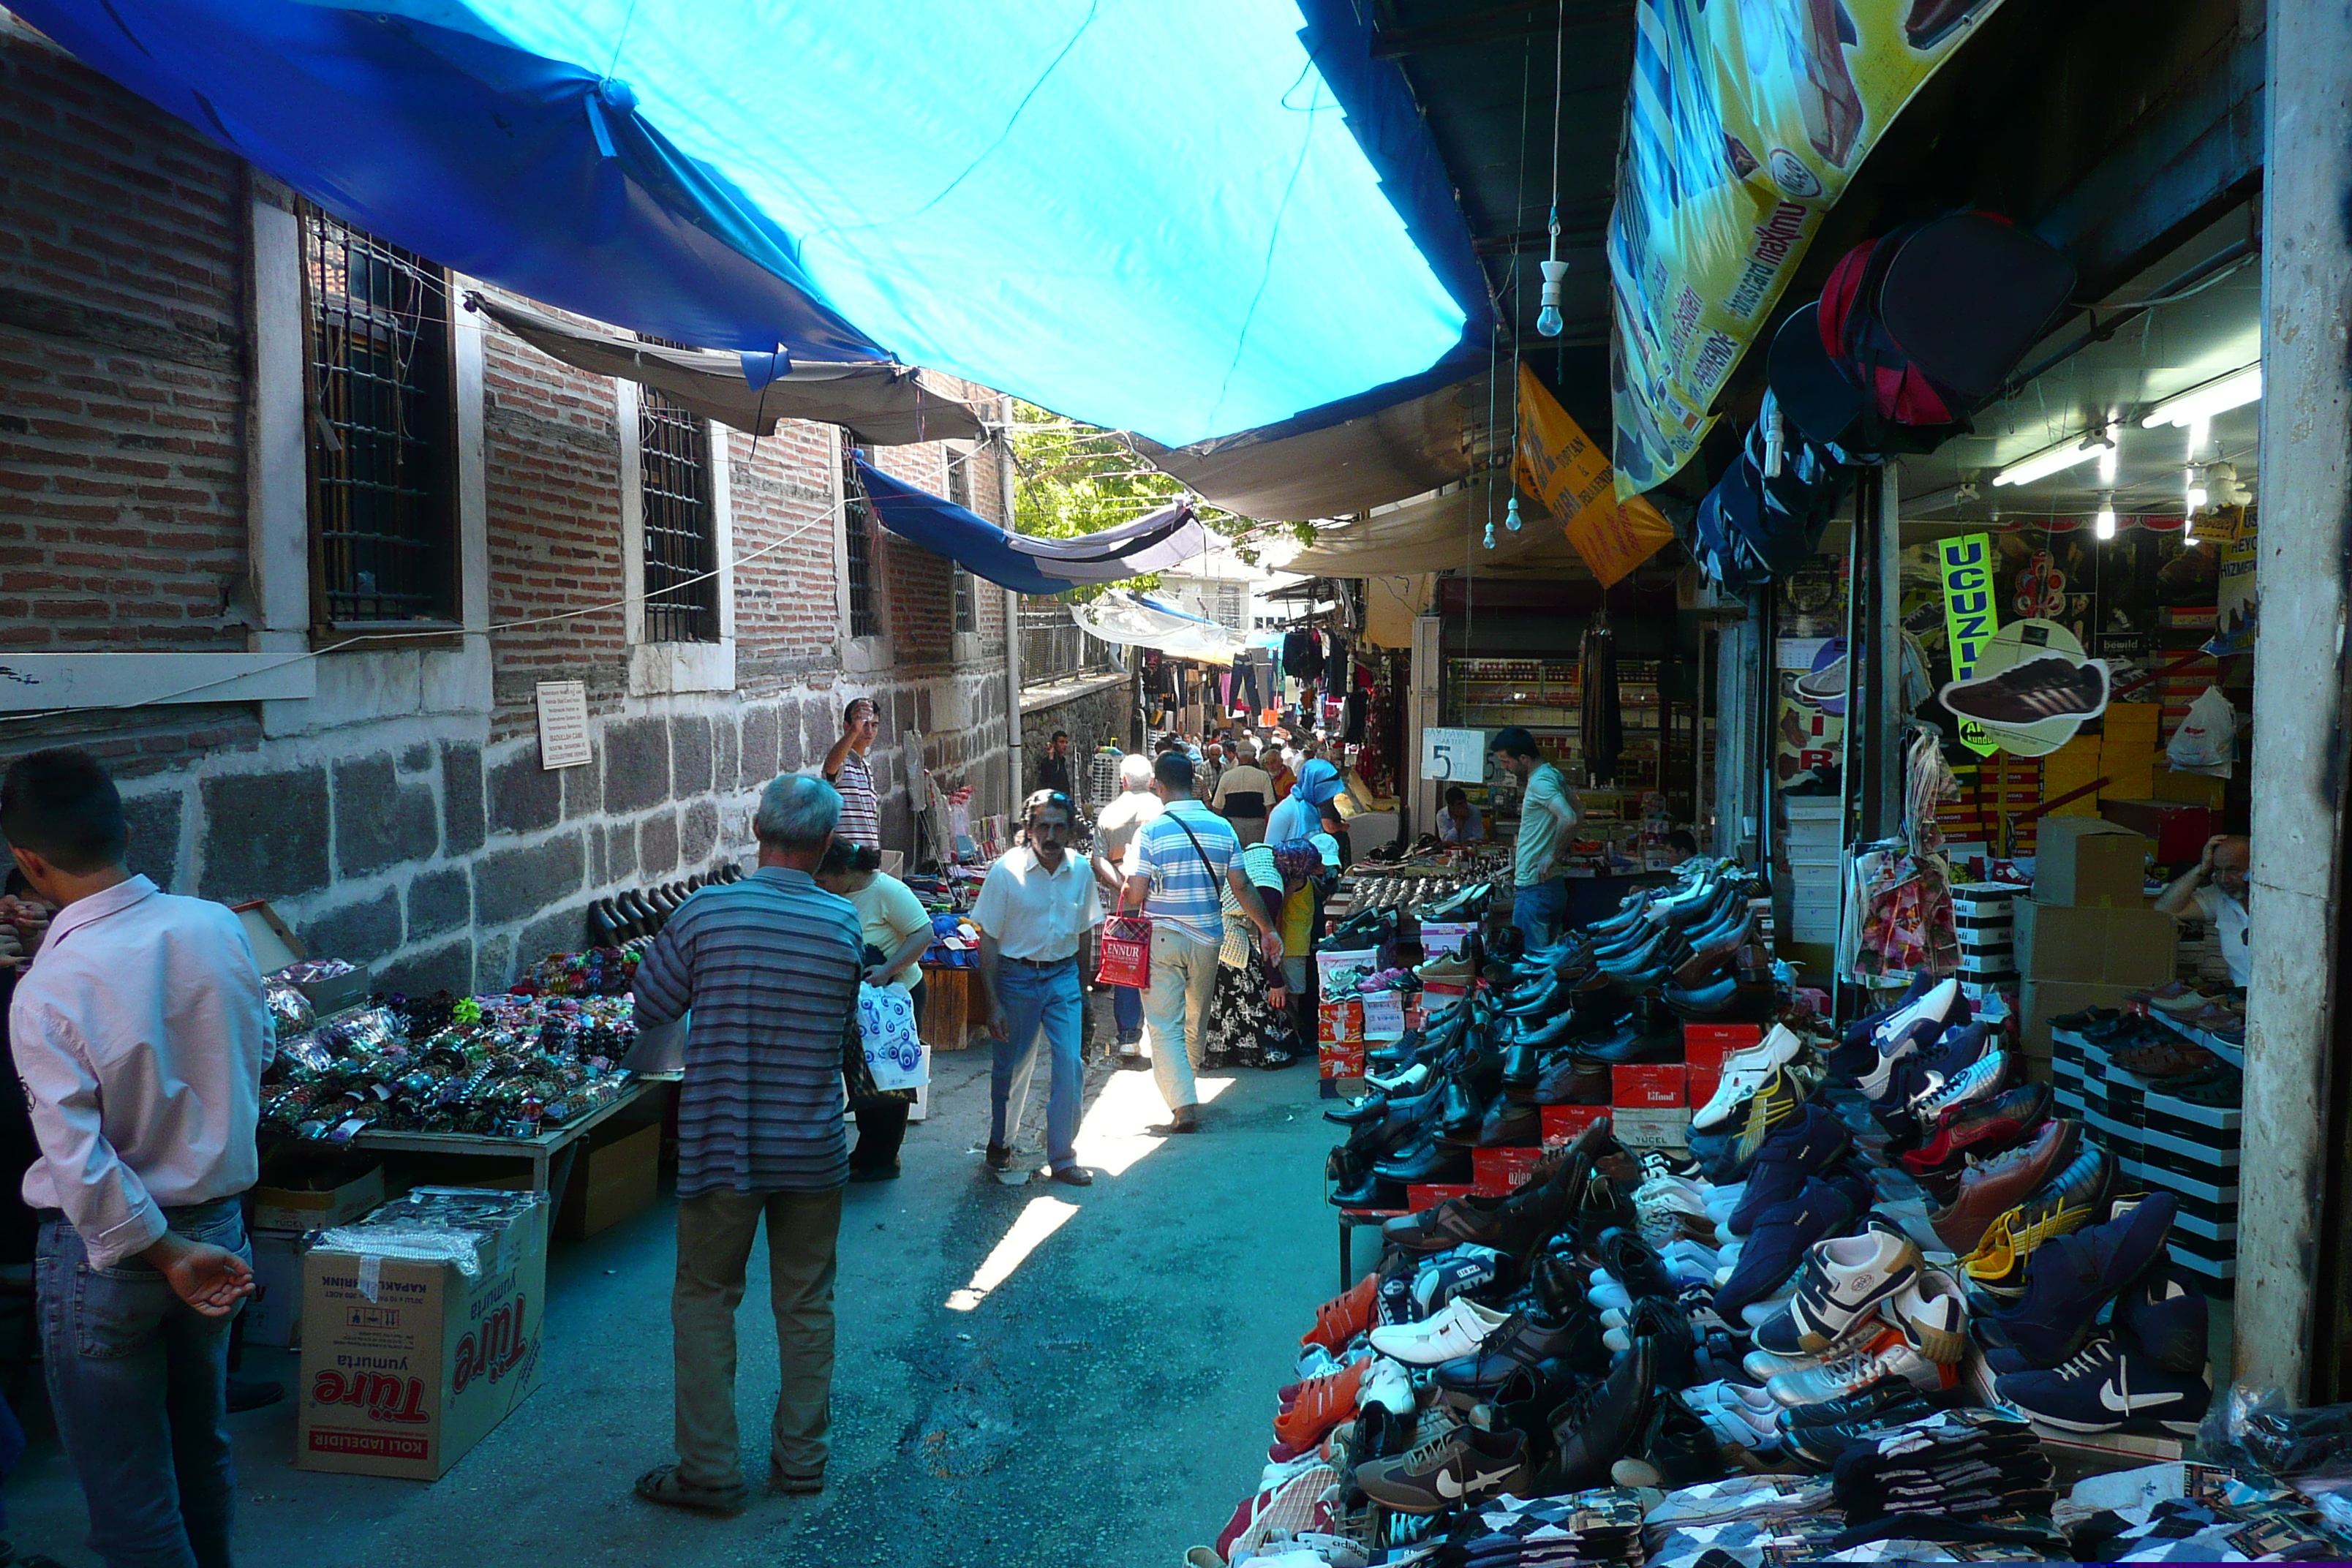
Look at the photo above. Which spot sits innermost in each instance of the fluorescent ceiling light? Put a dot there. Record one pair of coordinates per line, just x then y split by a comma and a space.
2065, 455
2232, 391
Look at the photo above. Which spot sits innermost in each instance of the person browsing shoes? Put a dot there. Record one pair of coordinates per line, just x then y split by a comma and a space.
1035, 913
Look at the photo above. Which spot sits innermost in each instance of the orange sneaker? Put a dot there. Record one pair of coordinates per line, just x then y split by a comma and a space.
1322, 1404
1342, 1318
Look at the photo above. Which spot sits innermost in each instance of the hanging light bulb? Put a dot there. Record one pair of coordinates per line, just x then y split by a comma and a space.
2108, 461
2104, 525
2194, 495
2200, 428
1547, 320
1490, 536
1511, 515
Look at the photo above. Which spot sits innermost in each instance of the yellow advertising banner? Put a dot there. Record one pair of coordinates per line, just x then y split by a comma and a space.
1971, 616
1746, 121
1558, 464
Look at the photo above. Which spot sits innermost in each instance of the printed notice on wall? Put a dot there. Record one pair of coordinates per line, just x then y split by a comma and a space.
562, 723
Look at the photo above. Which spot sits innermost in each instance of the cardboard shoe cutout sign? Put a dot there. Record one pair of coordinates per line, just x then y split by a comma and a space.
2032, 688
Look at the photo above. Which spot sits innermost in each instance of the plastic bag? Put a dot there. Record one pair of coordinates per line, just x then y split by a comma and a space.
2206, 738
893, 1044
2254, 1428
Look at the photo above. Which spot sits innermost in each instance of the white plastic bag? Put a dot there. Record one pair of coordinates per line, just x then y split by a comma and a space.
2204, 742
894, 1044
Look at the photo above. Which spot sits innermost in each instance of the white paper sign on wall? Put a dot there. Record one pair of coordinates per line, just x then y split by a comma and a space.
1454, 756
564, 724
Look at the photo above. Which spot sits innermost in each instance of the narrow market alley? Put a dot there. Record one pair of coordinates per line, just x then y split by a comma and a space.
1108, 1395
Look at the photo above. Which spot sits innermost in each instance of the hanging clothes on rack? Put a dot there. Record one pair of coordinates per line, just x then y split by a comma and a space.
1600, 718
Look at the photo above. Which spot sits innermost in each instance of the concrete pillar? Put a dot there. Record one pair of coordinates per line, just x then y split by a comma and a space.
2299, 700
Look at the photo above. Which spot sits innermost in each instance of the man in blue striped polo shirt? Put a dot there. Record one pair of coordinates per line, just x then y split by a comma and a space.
1174, 868
770, 965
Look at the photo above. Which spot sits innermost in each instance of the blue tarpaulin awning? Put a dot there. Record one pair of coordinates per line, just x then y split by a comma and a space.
1024, 562
1183, 220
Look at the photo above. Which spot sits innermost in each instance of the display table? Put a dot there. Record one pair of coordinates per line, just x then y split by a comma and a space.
550, 1156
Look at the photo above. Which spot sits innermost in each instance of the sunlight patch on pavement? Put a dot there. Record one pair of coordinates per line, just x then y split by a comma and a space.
1040, 1219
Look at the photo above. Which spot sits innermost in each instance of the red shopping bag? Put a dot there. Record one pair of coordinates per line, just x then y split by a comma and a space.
1126, 949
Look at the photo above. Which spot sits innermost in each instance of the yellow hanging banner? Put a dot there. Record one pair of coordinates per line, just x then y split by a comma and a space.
1561, 465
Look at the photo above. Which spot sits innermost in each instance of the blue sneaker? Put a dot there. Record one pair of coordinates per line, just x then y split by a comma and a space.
1844, 1281
1805, 1147
1777, 1247
2112, 1385
2168, 1316
2069, 1279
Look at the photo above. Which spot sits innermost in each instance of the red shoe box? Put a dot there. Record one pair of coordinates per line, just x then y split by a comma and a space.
1561, 1123
1704, 1082
1648, 1086
1429, 1195
1342, 1023
1341, 1060
1705, 1045
1497, 1172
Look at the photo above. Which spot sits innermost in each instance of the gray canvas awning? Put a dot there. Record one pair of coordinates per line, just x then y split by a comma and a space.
1351, 467
1441, 531
886, 404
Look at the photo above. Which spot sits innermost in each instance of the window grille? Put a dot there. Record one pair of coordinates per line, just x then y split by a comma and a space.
680, 533
382, 429
960, 494
857, 533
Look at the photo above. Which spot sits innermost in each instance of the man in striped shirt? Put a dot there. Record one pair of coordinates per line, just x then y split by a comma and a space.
846, 770
769, 966
1174, 868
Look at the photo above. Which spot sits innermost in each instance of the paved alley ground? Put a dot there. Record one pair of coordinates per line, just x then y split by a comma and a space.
1101, 1401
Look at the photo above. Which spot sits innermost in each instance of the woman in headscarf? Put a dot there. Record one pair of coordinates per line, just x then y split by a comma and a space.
1247, 1023
1300, 816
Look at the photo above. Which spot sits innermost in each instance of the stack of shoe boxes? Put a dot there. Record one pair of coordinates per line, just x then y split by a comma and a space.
1984, 917
2086, 938
2190, 1149
2127, 748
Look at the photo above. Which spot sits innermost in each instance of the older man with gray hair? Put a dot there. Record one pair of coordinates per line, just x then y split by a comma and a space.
769, 966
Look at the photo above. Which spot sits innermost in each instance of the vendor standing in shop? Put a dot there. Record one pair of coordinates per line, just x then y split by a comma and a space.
2216, 890
769, 966
140, 1035
1035, 912
1549, 813
845, 771
1460, 823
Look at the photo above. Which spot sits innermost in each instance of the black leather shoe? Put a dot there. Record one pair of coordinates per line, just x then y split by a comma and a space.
1570, 1079
1633, 1263
1606, 1422
1727, 1000
1522, 1065
1636, 1044
1508, 1124
1515, 1350
1678, 1448
1425, 1163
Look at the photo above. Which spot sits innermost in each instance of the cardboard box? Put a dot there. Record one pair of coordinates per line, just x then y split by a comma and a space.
2039, 1001
1340, 1023
407, 1361
2084, 862
1339, 971
275, 946
1648, 1086
1384, 1014
1429, 1195
2094, 946
308, 1204
1495, 1173
611, 1184
1704, 1081
1561, 1123
2194, 789
1335, 1060
1439, 938
1705, 1045
273, 1313
1652, 1129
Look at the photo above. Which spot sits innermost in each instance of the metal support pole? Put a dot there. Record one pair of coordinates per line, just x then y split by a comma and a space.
1011, 625
1859, 579
1886, 809
2291, 1308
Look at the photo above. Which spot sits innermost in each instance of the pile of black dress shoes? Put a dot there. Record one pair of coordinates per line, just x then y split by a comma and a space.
625, 917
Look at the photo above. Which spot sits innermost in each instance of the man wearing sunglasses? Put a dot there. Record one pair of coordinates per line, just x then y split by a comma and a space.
1035, 913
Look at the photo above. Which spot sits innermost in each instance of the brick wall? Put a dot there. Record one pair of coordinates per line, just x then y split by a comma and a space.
122, 470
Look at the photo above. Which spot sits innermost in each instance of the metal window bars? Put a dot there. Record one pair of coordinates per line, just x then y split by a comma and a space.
680, 537
383, 432
857, 536
1053, 647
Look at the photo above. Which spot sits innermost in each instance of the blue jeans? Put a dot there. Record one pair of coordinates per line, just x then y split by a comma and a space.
138, 1379
1039, 1004
1127, 1011
1537, 911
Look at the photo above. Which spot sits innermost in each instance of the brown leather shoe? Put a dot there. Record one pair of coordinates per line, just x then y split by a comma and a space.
1993, 1189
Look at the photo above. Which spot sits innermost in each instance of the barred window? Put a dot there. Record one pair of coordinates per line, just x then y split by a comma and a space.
679, 528
960, 493
383, 429
858, 534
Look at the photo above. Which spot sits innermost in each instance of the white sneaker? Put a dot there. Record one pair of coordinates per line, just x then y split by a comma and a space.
1933, 1315
1388, 1386
1888, 1355
1843, 1281
1934, 1008
1458, 1330
1743, 1070
1742, 1417
1980, 1079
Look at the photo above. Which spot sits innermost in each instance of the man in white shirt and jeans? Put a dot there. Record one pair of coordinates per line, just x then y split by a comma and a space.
1033, 913
141, 1034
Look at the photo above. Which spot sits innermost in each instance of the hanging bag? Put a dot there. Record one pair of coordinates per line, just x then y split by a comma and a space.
1126, 947
893, 1044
